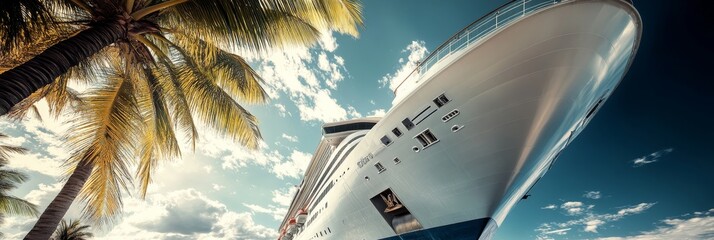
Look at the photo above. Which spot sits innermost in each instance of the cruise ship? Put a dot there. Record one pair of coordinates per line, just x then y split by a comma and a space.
472, 129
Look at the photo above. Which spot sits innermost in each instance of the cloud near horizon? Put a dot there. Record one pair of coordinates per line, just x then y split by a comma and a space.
651, 158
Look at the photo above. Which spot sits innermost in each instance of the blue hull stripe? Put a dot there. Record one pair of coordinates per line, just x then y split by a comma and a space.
464, 230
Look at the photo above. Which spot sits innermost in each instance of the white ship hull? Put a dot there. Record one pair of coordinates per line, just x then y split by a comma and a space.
522, 94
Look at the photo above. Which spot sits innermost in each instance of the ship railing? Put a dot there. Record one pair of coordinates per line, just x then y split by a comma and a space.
477, 30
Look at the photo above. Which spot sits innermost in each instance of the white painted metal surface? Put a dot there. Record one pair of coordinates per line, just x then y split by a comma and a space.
523, 93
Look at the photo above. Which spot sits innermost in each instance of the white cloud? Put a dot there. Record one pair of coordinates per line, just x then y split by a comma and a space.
290, 138
284, 197
44, 193
558, 231
353, 113
696, 227
322, 107
281, 110
339, 60
293, 167
185, 214
328, 42
218, 187
551, 206
276, 212
234, 225
39, 163
16, 227
634, 209
589, 220
650, 158
377, 113
306, 82
416, 51
44, 142
591, 226
13, 141
572, 208
592, 195
235, 156
322, 62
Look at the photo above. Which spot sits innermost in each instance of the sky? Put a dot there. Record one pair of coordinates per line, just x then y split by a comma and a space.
642, 169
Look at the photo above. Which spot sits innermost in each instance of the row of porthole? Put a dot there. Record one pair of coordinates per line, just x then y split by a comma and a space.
321, 233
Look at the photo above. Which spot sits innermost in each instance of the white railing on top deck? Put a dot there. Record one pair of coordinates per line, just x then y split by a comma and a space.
478, 29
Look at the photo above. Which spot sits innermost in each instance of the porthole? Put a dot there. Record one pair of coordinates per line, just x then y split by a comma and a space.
386, 141
455, 128
415, 149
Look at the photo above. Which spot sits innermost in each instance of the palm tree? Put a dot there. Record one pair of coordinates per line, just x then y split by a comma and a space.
142, 26
153, 67
72, 231
8, 180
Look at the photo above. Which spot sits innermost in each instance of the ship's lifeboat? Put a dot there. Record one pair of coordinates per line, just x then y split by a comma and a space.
301, 217
282, 235
292, 228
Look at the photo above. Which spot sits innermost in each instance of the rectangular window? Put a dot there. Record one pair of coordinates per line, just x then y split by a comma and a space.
408, 123
422, 139
441, 100
380, 168
397, 161
397, 132
386, 141
426, 138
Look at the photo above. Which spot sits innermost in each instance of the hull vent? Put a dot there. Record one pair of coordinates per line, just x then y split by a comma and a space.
450, 115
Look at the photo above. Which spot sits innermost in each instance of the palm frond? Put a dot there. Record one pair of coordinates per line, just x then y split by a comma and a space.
12, 177
16, 206
215, 107
105, 135
73, 230
176, 98
159, 140
230, 71
21, 21
253, 25
6, 150
341, 15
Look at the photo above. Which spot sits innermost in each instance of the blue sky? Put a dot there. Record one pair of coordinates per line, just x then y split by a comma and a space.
641, 168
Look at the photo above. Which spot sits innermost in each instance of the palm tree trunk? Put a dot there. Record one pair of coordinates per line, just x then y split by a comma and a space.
21, 81
51, 217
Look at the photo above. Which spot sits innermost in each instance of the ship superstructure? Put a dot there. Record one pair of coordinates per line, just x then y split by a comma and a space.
472, 129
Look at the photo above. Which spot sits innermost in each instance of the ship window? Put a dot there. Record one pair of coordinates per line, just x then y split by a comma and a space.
397, 132
386, 141
380, 168
328, 229
408, 123
426, 138
441, 100
397, 161
348, 127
